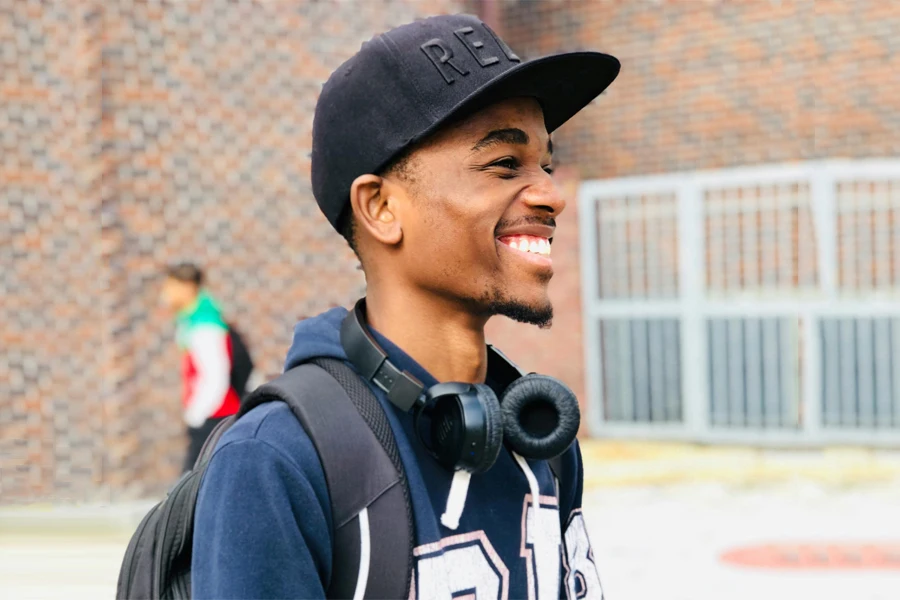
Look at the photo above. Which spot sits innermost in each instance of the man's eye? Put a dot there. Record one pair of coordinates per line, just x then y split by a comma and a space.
507, 163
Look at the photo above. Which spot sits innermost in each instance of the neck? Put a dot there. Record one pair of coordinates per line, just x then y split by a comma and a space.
190, 306
444, 339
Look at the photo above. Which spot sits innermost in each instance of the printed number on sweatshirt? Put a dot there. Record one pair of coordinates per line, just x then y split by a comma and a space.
467, 564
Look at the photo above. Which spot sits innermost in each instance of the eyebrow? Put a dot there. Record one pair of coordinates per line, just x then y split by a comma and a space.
506, 136
502, 136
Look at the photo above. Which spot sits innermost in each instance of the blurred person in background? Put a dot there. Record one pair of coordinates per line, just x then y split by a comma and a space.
215, 364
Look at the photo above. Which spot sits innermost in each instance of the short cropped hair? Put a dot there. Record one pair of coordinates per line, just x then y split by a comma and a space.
186, 272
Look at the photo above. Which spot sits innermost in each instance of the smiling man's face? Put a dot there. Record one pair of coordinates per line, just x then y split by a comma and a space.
478, 213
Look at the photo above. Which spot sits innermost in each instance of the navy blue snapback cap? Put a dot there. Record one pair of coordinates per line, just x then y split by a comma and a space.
404, 84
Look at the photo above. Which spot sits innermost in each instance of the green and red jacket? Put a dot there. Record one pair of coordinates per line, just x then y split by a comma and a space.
206, 365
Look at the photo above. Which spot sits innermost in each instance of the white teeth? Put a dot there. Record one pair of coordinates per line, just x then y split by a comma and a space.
534, 245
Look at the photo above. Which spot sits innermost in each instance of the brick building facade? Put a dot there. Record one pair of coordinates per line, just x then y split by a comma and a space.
137, 133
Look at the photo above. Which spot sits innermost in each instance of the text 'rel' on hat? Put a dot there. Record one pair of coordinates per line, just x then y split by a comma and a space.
403, 84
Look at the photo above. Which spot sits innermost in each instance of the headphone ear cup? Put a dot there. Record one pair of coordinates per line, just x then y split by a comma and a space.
457, 421
540, 416
493, 422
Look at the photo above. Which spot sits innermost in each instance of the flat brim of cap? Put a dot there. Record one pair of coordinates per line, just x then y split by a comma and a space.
563, 84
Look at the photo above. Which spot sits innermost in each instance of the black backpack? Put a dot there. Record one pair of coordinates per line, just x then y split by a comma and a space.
241, 362
366, 483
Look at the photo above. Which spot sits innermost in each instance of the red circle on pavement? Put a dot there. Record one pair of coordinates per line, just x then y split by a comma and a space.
817, 556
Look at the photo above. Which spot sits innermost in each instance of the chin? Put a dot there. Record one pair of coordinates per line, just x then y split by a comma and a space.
531, 311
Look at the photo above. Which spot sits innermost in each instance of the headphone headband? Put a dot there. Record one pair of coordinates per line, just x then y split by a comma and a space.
403, 389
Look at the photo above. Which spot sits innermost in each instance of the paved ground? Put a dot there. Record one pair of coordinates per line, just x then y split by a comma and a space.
76, 567
667, 543
660, 517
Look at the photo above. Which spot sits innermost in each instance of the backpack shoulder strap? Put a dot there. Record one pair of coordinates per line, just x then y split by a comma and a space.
371, 512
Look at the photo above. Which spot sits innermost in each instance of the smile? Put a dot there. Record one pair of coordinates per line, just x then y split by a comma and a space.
527, 243
534, 249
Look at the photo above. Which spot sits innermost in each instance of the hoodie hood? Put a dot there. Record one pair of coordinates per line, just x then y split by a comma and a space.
317, 337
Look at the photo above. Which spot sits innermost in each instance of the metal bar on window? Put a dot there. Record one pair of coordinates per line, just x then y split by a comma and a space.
882, 354
641, 375
608, 252
652, 246
732, 232
626, 377
672, 385
612, 370
771, 374
735, 335
895, 233
790, 374
621, 256
692, 260
749, 236
831, 373
864, 240
822, 204
848, 249
637, 244
785, 238
811, 365
882, 240
865, 372
848, 371
753, 361
667, 259
895, 372
657, 370
717, 236
719, 371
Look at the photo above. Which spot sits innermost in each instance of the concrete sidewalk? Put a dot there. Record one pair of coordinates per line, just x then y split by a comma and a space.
96, 519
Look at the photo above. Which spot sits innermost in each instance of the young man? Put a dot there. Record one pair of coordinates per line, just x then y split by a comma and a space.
202, 334
432, 157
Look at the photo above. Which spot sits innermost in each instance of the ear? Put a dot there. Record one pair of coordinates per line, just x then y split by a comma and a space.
375, 208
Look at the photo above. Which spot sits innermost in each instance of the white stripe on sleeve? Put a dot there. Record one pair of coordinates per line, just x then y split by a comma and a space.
209, 350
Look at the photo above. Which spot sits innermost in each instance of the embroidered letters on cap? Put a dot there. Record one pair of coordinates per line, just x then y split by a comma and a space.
441, 54
506, 49
475, 46
430, 47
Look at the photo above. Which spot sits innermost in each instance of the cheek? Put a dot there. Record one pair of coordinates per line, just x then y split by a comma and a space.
452, 242
460, 225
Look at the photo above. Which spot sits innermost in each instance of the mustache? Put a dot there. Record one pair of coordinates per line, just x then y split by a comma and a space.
528, 220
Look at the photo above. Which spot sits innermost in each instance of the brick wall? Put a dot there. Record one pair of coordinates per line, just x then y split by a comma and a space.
52, 281
716, 84
134, 134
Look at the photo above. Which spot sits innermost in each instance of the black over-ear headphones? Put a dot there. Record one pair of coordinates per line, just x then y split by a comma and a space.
538, 416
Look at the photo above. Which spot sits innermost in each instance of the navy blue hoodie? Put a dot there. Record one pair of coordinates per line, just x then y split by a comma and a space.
263, 515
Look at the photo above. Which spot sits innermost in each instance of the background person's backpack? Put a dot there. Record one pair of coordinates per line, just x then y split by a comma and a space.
371, 512
241, 362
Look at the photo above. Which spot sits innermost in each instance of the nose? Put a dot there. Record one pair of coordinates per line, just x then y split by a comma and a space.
544, 195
